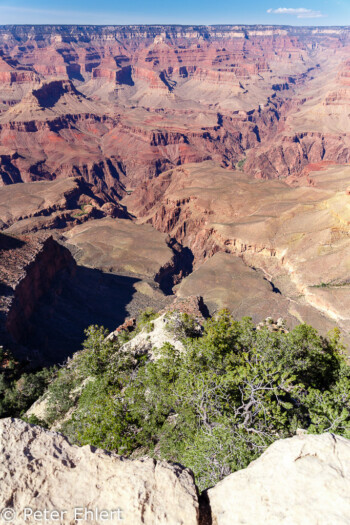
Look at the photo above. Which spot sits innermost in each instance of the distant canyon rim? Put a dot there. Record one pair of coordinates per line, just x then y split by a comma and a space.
202, 160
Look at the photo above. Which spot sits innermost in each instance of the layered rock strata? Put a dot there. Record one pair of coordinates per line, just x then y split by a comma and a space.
81, 100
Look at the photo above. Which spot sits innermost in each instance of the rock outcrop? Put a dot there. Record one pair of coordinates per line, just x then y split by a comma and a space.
304, 480
150, 340
40, 470
192, 305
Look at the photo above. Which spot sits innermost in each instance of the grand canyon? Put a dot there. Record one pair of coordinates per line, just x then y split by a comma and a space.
174, 160
175, 273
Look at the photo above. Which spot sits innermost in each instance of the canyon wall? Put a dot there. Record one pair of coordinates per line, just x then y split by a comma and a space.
100, 122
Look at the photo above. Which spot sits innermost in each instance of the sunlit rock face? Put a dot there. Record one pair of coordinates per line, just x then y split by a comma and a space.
46, 472
304, 479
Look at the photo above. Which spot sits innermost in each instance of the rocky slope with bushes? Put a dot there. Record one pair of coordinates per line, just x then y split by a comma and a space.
209, 394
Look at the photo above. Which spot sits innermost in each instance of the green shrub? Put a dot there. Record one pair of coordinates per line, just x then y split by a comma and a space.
240, 164
34, 420
97, 351
182, 325
213, 407
145, 320
19, 389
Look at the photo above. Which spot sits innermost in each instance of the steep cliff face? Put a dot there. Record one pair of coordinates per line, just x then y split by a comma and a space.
28, 269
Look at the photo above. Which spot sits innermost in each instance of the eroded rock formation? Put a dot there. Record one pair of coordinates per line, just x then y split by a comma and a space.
59, 205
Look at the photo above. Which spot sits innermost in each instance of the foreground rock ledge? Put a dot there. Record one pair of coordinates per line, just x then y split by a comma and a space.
41, 470
304, 480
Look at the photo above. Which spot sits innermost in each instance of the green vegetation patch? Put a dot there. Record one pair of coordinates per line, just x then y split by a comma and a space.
240, 164
19, 389
80, 213
213, 407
